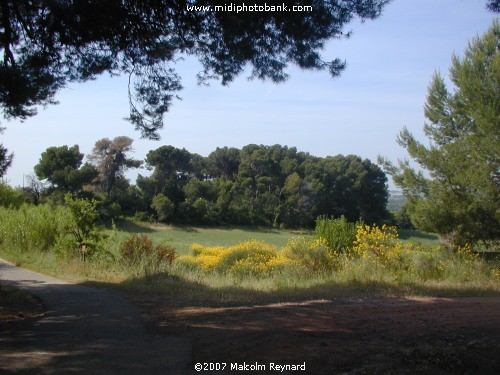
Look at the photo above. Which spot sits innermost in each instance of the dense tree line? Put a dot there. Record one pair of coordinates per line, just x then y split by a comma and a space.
256, 185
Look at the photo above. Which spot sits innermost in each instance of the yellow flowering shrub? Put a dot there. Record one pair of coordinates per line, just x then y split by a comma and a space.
465, 254
255, 258
496, 274
247, 258
379, 243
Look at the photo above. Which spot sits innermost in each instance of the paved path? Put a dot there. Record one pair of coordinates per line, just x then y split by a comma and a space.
84, 331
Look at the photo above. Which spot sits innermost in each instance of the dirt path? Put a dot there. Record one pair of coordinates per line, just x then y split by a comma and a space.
351, 336
84, 331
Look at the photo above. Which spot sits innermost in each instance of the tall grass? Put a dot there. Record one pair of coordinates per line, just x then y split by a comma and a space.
33, 228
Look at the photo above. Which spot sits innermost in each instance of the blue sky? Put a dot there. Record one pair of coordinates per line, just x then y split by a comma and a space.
390, 62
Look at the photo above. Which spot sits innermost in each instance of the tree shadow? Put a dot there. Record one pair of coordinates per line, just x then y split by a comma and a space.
186, 228
333, 327
132, 227
86, 330
182, 292
406, 234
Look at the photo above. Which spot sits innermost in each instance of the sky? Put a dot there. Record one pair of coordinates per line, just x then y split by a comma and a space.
390, 62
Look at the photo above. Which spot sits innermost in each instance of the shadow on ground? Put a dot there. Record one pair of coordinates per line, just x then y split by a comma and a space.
84, 330
353, 329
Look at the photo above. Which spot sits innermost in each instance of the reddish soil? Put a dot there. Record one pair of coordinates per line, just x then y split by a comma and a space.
350, 336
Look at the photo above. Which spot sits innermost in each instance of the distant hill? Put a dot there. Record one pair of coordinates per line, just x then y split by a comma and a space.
396, 200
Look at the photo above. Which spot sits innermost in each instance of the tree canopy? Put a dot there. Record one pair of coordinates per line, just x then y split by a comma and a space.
109, 156
256, 185
262, 185
47, 44
5, 158
457, 191
60, 166
493, 5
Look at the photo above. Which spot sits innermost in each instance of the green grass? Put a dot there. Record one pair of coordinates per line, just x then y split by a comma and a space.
182, 237
419, 238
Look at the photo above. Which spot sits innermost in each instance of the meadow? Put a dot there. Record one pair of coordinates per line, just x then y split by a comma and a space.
244, 265
182, 237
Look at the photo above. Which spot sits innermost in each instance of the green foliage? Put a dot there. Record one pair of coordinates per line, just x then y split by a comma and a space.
84, 216
61, 167
224, 162
163, 207
257, 185
33, 228
113, 210
459, 194
264, 185
311, 256
5, 160
10, 197
403, 219
78, 41
339, 234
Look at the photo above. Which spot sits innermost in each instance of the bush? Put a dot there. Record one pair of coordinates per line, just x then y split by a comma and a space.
84, 220
9, 197
252, 257
136, 248
311, 256
381, 245
165, 253
402, 219
339, 234
139, 248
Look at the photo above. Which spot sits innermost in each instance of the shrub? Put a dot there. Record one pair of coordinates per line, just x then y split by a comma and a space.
83, 225
165, 253
311, 256
339, 234
136, 248
247, 258
139, 248
9, 197
378, 241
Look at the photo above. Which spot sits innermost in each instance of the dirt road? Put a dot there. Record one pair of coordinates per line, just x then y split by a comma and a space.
347, 336
84, 331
